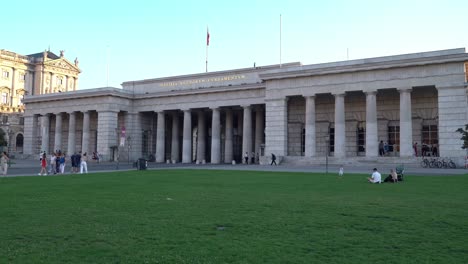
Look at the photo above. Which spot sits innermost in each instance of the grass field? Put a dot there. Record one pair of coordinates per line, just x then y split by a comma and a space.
201, 216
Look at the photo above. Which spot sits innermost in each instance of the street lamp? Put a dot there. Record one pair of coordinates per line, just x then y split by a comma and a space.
117, 132
327, 152
128, 147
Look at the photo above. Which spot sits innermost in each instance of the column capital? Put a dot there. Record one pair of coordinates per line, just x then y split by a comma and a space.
186, 109
405, 89
246, 106
370, 92
308, 96
71, 112
339, 94
215, 108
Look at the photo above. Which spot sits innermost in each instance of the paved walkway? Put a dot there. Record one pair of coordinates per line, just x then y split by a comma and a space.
32, 168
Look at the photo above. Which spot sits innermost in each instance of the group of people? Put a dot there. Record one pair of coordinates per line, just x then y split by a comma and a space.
426, 150
376, 177
253, 158
384, 148
58, 161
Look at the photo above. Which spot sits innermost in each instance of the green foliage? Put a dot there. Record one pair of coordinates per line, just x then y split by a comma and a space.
208, 216
3, 139
464, 133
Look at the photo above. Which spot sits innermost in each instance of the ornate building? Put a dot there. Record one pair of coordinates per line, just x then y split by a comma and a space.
301, 113
34, 74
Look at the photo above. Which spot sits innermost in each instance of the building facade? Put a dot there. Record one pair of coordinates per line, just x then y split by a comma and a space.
301, 113
34, 74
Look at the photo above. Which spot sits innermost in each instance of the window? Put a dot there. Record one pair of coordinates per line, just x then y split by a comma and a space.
4, 119
21, 120
22, 77
303, 139
394, 138
331, 133
430, 139
59, 80
20, 99
4, 98
361, 137
5, 74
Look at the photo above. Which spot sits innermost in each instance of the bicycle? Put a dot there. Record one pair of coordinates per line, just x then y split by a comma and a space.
447, 164
425, 163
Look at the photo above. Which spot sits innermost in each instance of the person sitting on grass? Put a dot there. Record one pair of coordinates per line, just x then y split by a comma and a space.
375, 178
392, 177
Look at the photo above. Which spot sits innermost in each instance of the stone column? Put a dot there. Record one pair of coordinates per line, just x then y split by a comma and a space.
75, 83
66, 83
52, 83
29, 85
134, 135
187, 138
372, 144
58, 132
247, 132
201, 136
43, 82
45, 133
276, 132
175, 138
86, 132
228, 143
108, 132
259, 129
71, 134
216, 137
30, 134
310, 138
406, 126
160, 137
13, 89
340, 127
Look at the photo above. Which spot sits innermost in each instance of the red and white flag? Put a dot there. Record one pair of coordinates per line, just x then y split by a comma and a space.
207, 37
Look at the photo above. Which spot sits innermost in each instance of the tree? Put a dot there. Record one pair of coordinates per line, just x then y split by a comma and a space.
3, 140
464, 133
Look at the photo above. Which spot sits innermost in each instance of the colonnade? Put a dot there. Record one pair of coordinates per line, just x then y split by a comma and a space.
406, 129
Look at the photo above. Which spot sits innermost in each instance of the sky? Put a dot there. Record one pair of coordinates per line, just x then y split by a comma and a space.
118, 41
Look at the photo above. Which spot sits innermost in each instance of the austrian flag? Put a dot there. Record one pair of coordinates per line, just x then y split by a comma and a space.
207, 37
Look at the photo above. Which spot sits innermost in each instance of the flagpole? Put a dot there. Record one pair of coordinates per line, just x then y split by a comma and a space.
207, 44
280, 41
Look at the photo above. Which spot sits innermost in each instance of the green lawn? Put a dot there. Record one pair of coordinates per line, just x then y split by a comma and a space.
201, 216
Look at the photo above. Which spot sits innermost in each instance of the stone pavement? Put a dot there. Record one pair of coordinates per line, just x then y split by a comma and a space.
32, 168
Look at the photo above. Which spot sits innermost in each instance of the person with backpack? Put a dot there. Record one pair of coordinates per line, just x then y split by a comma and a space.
273, 159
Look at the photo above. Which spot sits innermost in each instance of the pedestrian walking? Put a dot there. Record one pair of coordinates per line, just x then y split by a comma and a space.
4, 163
273, 159
43, 165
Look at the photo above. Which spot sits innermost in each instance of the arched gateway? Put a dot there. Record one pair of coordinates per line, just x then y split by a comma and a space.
301, 113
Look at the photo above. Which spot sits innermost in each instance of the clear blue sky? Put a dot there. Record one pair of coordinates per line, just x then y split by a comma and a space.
148, 39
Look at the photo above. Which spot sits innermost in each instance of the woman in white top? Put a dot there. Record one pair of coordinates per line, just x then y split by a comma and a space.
84, 166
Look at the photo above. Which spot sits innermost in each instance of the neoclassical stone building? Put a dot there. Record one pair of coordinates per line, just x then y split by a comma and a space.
34, 74
302, 113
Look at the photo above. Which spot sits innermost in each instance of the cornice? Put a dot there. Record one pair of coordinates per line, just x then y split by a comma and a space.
379, 63
79, 94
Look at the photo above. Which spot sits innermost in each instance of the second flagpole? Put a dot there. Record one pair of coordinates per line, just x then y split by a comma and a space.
207, 44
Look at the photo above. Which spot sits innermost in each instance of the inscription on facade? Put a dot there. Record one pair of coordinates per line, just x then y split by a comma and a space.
202, 81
